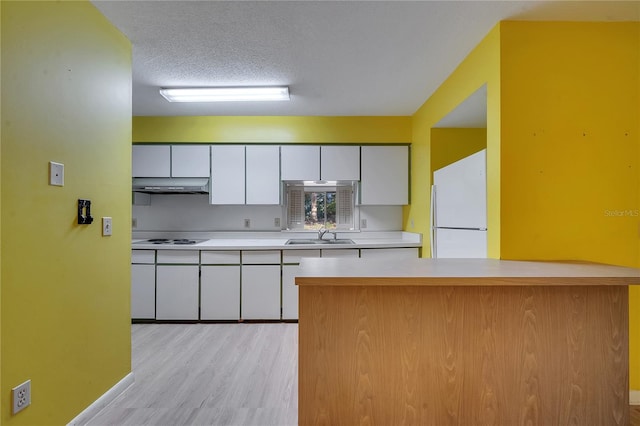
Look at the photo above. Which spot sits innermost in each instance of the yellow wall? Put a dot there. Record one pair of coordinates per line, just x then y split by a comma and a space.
273, 129
634, 339
66, 80
570, 141
563, 149
570, 146
0, 208
480, 67
450, 145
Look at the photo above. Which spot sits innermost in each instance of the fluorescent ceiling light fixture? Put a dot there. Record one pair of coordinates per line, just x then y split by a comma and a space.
225, 94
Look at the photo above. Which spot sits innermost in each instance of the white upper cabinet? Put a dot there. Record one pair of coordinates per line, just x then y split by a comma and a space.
227, 174
170, 161
384, 175
151, 161
300, 162
190, 160
339, 162
263, 174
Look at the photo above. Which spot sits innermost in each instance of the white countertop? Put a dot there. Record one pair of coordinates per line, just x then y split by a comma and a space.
276, 241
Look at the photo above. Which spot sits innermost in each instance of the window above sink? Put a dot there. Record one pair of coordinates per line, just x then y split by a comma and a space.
320, 204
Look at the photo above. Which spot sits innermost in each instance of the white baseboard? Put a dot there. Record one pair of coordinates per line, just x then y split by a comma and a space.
634, 397
93, 409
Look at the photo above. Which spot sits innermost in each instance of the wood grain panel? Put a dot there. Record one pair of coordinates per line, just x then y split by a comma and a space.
463, 355
635, 415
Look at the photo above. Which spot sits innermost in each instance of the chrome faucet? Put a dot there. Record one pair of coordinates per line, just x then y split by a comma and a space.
321, 232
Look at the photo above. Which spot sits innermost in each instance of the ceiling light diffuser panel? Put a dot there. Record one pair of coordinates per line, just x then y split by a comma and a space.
226, 94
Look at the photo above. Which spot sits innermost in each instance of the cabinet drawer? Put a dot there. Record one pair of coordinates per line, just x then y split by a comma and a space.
229, 257
178, 256
294, 256
261, 257
390, 253
143, 256
341, 253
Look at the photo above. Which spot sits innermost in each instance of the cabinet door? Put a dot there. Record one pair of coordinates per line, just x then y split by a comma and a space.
340, 163
289, 287
220, 293
384, 175
289, 292
143, 291
300, 162
151, 161
263, 174
227, 174
261, 292
390, 253
190, 161
177, 292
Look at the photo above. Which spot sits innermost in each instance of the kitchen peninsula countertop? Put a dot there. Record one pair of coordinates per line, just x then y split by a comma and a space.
463, 342
461, 272
277, 240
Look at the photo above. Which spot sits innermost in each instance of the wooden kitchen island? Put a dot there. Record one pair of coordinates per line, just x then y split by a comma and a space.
463, 342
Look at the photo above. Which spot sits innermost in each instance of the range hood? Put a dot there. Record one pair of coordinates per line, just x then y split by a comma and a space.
171, 185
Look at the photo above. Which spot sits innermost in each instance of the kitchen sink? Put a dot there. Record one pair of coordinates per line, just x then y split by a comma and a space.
317, 241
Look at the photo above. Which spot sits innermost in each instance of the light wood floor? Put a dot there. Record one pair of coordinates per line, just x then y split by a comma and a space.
209, 374
214, 374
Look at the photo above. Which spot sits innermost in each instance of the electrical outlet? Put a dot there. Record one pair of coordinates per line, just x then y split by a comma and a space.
247, 223
276, 222
363, 223
106, 226
21, 396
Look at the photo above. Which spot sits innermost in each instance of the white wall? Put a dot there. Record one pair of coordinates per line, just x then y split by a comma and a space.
192, 212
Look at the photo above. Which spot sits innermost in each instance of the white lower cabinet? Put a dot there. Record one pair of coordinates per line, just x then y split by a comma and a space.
220, 292
289, 292
290, 260
390, 253
189, 285
143, 291
261, 292
177, 292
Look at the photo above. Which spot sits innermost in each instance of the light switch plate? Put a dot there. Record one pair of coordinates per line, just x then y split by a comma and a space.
56, 173
106, 226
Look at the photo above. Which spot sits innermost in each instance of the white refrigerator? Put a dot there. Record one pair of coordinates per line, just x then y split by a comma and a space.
459, 209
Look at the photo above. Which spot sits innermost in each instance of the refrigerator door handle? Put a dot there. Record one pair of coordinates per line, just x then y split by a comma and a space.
432, 219
462, 229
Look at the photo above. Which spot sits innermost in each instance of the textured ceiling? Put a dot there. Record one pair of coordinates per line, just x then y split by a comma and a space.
337, 57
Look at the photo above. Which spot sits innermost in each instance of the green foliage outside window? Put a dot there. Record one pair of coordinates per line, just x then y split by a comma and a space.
320, 210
